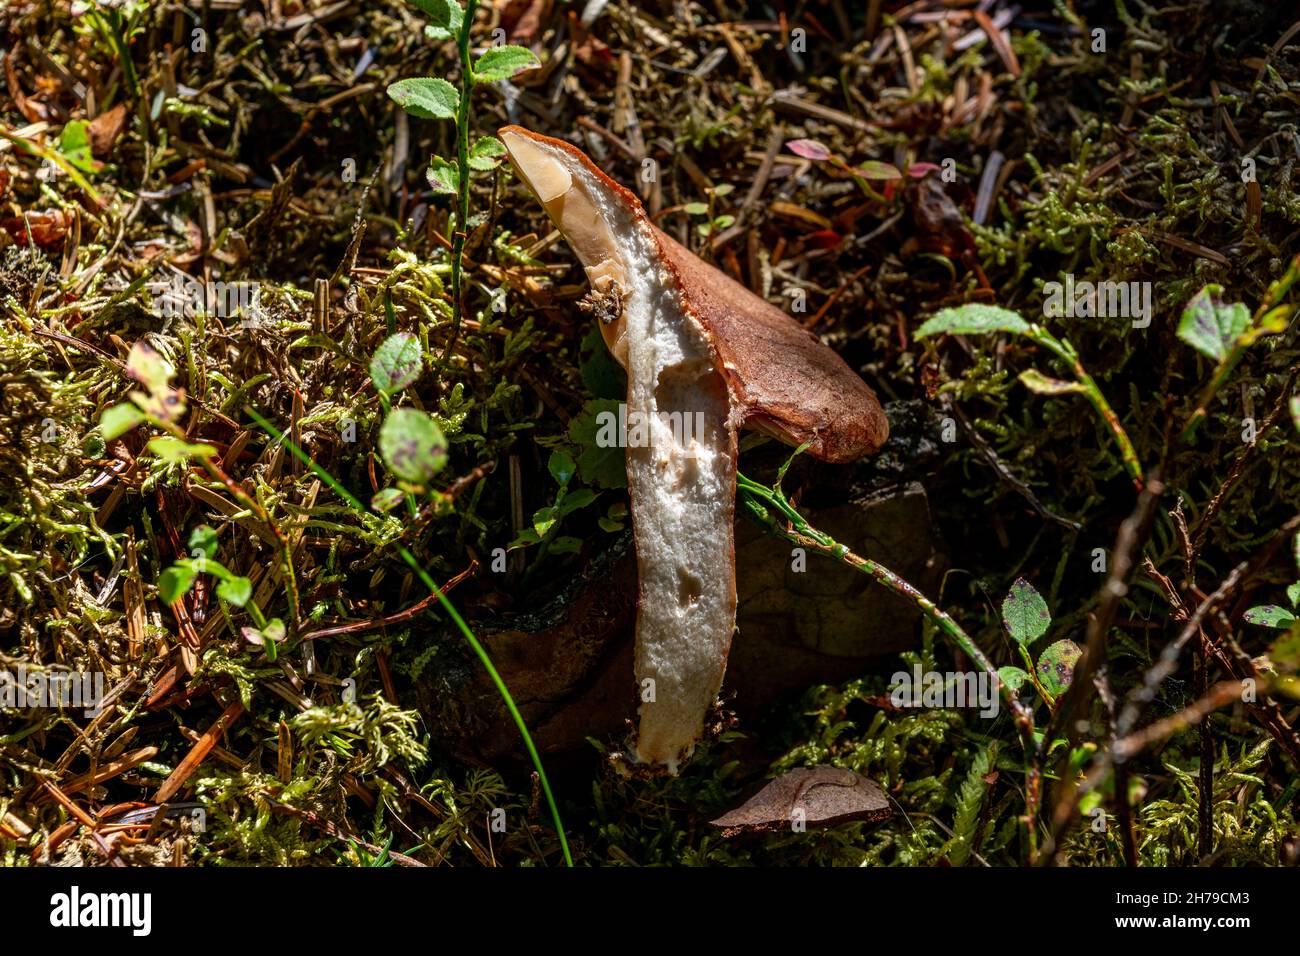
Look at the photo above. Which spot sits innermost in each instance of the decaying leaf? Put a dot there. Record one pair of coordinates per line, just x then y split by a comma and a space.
812, 796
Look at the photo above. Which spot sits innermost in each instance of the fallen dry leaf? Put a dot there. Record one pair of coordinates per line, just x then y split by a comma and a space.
814, 796
106, 128
48, 228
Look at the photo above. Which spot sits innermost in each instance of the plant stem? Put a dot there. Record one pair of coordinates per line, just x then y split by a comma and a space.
761, 500
1065, 351
355, 504
459, 236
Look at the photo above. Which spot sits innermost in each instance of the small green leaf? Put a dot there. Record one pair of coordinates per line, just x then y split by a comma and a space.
236, 590
412, 445
203, 540
566, 544
1041, 384
873, 169
1013, 677
1269, 615
1285, 652
503, 62
601, 464
486, 153
174, 582
575, 500
696, 209
445, 18
74, 145
1056, 667
973, 319
1293, 594
175, 451
428, 97
1210, 326
386, 499
147, 367
119, 419
396, 363
1025, 613
443, 176
1294, 405
274, 630
544, 519
526, 537
561, 466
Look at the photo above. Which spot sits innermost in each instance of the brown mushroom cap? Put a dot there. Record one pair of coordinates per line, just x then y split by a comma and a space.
788, 383
783, 380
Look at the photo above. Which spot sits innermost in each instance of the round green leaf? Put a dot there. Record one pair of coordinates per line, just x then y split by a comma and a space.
1025, 613
1056, 667
203, 540
412, 445
119, 419
443, 176
1269, 615
445, 17
386, 499
503, 62
486, 153
1212, 326
973, 319
1013, 677
236, 590
562, 466
396, 363
174, 582
428, 97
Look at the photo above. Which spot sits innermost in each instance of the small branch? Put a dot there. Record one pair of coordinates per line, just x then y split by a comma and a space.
1091, 391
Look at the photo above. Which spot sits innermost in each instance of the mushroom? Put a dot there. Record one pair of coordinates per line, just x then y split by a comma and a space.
704, 357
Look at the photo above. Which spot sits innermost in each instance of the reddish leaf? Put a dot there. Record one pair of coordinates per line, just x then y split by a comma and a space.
808, 149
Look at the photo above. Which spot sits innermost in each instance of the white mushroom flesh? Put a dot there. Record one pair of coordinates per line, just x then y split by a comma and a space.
682, 477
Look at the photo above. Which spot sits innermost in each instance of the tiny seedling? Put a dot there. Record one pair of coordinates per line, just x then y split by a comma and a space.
432, 97
1026, 618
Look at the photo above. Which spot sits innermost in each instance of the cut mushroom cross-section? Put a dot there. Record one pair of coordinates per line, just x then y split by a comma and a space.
704, 357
